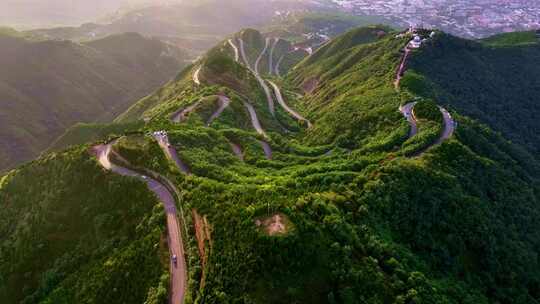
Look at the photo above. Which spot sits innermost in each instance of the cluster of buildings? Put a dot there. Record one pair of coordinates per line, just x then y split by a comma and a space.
466, 18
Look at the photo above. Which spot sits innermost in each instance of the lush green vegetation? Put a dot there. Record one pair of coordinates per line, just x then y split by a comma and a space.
376, 217
74, 235
72, 83
494, 80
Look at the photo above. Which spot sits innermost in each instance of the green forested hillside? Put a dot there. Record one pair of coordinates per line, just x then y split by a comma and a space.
350, 208
83, 240
47, 86
496, 80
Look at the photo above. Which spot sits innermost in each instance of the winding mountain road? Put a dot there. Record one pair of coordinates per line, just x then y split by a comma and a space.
182, 114
196, 76
449, 126
237, 150
448, 121
243, 53
255, 73
293, 113
257, 126
277, 72
170, 151
224, 102
407, 111
255, 120
235, 49
261, 55
271, 57
179, 271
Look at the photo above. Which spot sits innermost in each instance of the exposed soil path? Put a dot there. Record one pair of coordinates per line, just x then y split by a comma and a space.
176, 247
293, 113
235, 49
224, 102
402, 66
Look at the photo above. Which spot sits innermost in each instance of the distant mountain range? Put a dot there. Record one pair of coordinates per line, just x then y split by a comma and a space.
48, 13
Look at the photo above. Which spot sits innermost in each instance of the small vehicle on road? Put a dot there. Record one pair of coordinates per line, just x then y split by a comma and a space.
175, 260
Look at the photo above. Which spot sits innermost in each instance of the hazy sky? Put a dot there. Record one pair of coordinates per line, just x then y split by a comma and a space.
33, 13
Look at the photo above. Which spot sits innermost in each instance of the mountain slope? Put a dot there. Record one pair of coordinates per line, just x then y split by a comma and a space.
47, 86
362, 205
495, 81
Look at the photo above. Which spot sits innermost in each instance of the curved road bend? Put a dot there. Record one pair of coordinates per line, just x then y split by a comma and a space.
271, 57
449, 126
237, 150
449, 123
401, 69
407, 111
181, 115
257, 126
224, 102
196, 76
235, 49
286, 107
163, 141
255, 73
258, 61
179, 271
243, 53
277, 72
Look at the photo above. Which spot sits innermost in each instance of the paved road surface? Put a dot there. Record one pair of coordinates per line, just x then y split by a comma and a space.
254, 119
224, 102
170, 151
277, 72
261, 55
407, 111
449, 123
255, 73
286, 107
271, 57
243, 53
236, 55
449, 126
179, 271
181, 115
237, 151
267, 149
196, 76
257, 126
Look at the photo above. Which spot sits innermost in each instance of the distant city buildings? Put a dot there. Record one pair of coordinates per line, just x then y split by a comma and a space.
467, 18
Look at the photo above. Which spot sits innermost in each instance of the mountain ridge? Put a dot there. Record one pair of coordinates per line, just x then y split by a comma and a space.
373, 201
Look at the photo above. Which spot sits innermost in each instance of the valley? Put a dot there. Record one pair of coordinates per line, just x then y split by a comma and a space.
360, 168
